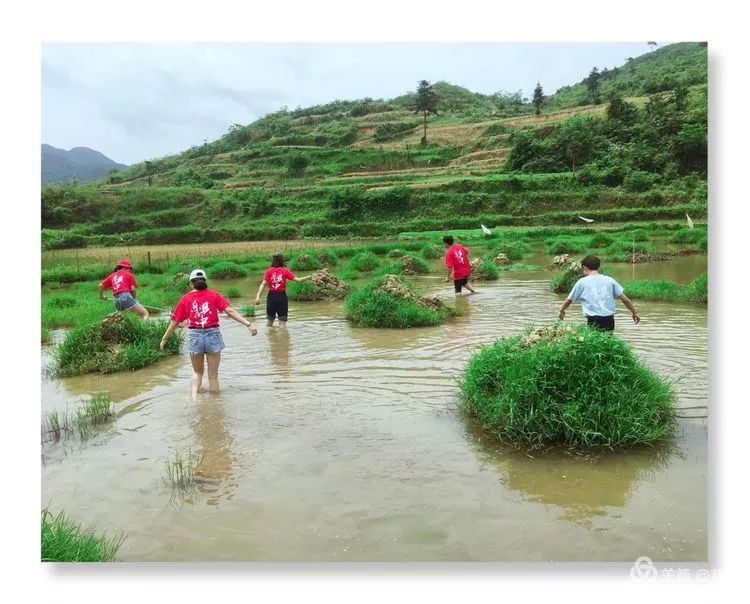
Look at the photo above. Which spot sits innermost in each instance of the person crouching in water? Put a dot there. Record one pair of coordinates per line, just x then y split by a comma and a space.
457, 261
598, 294
201, 308
277, 303
122, 283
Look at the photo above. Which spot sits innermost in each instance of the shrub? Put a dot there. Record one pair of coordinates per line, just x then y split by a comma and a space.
376, 305
226, 270
568, 386
638, 181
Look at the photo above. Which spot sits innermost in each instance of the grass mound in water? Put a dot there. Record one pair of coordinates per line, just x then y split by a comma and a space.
66, 541
323, 285
482, 270
406, 265
391, 301
567, 386
566, 278
304, 262
364, 262
119, 342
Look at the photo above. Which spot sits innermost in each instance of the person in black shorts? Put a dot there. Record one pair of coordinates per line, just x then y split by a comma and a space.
275, 277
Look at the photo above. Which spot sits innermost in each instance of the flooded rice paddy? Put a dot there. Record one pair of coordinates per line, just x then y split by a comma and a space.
335, 443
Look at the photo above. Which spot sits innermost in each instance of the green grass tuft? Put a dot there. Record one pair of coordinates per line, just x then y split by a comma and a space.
226, 270
248, 310
364, 262
232, 292
66, 541
696, 292
574, 386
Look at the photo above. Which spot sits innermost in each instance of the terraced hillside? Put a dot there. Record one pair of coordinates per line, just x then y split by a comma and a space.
357, 168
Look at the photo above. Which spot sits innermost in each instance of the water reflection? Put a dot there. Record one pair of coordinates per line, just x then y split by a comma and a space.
582, 485
214, 473
280, 343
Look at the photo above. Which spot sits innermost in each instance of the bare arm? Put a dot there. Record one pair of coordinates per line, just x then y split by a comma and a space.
564, 307
260, 291
629, 304
301, 279
170, 330
240, 319
101, 292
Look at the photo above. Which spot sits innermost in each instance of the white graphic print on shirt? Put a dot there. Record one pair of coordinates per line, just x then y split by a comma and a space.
199, 314
117, 281
277, 280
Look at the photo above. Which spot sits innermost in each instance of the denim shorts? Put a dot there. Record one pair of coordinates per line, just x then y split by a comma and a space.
124, 300
205, 341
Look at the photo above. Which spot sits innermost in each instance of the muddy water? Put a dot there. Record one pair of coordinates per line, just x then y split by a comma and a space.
330, 442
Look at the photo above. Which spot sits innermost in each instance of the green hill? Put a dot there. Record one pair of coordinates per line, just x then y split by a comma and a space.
357, 168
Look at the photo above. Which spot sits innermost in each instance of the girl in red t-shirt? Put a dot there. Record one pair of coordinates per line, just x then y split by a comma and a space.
277, 303
122, 283
201, 308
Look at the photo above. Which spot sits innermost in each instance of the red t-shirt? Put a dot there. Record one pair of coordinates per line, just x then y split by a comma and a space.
119, 281
457, 258
200, 307
276, 277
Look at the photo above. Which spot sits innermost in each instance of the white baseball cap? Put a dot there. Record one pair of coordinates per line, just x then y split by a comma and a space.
198, 273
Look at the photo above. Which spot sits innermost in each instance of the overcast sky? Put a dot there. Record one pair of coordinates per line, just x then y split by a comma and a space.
139, 101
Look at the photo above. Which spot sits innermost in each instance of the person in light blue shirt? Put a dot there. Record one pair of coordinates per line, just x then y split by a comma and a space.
598, 295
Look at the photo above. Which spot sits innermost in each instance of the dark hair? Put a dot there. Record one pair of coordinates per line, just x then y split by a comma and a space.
120, 267
591, 262
448, 239
277, 259
199, 283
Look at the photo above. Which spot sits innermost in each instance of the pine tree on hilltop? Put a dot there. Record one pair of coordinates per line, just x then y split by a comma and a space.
592, 83
426, 103
538, 98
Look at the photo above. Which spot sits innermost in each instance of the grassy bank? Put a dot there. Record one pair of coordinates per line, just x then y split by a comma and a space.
695, 292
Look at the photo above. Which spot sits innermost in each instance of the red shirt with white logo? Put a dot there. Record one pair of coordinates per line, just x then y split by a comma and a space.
276, 277
119, 281
200, 307
457, 258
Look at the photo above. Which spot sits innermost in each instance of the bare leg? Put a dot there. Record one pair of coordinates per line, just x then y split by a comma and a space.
270, 322
140, 311
213, 371
198, 366
282, 324
470, 288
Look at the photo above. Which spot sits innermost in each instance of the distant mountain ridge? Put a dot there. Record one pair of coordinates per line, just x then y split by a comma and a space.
81, 163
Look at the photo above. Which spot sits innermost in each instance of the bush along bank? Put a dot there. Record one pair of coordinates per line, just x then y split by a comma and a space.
567, 386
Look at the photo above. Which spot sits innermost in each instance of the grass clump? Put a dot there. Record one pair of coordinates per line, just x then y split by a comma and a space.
226, 270
564, 245
567, 386
566, 278
322, 285
119, 342
482, 270
687, 235
46, 336
601, 240
364, 262
233, 292
181, 471
406, 265
66, 541
623, 250
304, 262
391, 301
327, 258
514, 250
248, 310
430, 251
696, 292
